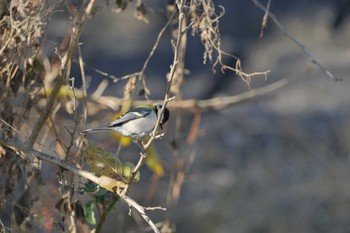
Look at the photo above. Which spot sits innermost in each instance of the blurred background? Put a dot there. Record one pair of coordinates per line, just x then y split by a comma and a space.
278, 163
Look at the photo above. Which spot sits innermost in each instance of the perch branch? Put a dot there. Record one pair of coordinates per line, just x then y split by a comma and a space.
102, 181
167, 98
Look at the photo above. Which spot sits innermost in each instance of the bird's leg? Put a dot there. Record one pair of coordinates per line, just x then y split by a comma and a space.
156, 136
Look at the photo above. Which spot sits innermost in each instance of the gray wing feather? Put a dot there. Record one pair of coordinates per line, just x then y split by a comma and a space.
129, 116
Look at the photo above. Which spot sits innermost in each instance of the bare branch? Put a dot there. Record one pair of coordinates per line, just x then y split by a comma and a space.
264, 21
64, 68
202, 105
102, 181
155, 46
300, 45
141, 210
167, 98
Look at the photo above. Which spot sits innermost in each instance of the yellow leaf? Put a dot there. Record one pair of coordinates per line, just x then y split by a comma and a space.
123, 141
103, 162
153, 161
127, 172
111, 184
66, 91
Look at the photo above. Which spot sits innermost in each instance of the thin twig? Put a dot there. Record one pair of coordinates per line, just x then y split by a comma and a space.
141, 210
264, 21
27, 149
84, 101
64, 71
76, 122
300, 45
167, 97
13, 128
102, 181
155, 46
103, 73
213, 103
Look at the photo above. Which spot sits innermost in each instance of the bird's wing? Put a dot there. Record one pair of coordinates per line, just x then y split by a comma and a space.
133, 114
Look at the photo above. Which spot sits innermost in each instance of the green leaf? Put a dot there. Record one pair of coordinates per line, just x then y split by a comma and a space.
101, 193
127, 172
89, 212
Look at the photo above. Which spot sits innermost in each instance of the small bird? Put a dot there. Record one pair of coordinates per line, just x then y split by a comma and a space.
137, 122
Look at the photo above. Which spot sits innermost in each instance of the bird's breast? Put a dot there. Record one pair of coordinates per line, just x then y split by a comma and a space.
140, 126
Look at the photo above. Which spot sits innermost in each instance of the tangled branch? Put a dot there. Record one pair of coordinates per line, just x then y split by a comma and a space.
77, 29
103, 181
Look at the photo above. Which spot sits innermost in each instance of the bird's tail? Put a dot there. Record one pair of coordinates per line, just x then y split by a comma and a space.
95, 130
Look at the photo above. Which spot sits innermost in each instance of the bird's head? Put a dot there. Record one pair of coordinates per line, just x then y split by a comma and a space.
165, 116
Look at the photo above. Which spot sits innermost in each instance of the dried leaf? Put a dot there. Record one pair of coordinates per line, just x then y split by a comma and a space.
103, 162
140, 12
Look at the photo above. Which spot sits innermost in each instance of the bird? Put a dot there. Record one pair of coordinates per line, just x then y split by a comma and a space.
137, 122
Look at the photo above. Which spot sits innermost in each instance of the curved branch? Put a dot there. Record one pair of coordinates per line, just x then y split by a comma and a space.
108, 183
